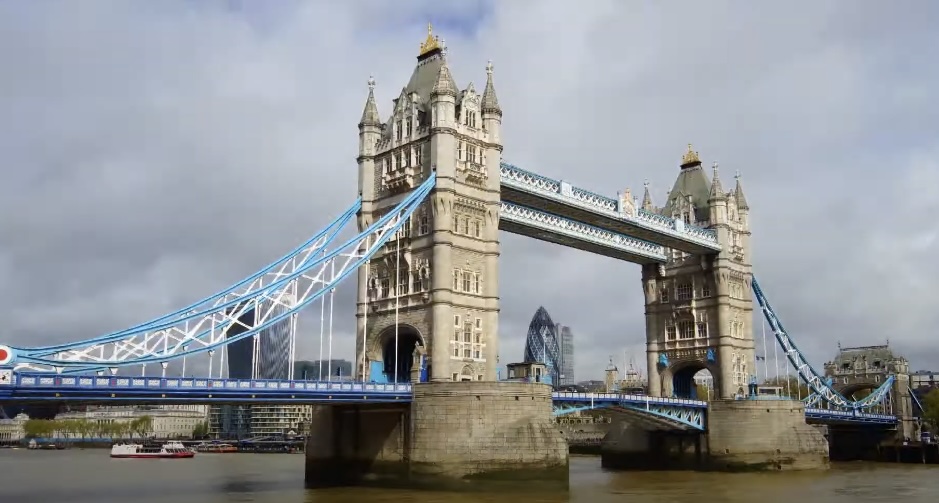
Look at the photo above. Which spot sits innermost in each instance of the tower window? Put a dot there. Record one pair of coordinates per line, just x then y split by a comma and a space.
683, 291
423, 222
398, 132
476, 286
705, 289
456, 280
459, 151
467, 282
686, 329
663, 295
669, 331
410, 125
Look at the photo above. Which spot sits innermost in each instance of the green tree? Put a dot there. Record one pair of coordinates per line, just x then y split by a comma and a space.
931, 410
142, 425
702, 392
201, 430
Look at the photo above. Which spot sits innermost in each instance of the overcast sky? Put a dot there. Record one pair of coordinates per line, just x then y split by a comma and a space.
154, 152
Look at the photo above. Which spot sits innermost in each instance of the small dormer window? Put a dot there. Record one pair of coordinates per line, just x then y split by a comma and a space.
398, 130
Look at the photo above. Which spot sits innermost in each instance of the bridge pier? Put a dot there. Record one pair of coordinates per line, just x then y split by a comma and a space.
454, 435
742, 435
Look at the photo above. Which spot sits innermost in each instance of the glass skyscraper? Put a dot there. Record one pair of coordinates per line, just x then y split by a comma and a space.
238, 421
552, 344
566, 377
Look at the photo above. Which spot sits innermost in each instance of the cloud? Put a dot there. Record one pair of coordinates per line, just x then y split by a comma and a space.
155, 152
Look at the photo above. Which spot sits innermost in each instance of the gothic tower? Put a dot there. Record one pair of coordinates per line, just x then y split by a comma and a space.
438, 319
699, 309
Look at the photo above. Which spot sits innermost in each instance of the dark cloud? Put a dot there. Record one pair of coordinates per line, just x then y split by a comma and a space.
155, 152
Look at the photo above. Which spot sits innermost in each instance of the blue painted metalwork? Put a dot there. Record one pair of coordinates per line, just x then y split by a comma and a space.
663, 360
47, 355
198, 308
683, 414
852, 416
816, 382
557, 190
579, 231
710, 355
43, 387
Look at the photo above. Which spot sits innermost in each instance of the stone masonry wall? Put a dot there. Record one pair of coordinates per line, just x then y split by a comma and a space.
478, 431
356, 444
763, 434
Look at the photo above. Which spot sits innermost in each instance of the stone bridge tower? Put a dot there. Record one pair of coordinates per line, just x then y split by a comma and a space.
855, 372
699, 309
435, 285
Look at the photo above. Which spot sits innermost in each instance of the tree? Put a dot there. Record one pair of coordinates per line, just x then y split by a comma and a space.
702, 392
201, 430
142, 425
931, 410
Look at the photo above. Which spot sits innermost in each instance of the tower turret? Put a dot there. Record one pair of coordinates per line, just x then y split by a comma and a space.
717, 200
370, 128
491, 111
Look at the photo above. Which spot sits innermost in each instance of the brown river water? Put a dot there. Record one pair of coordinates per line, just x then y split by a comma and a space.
90, 476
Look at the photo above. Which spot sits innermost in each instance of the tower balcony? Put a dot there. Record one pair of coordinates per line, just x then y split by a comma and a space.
474, 171
398, 179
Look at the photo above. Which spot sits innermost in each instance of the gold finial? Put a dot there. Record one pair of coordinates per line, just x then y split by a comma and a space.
430, 43
690, 157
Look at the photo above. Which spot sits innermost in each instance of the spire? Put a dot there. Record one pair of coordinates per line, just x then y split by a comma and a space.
444, 83
370, 114
738, 191
647, 198
690, 159
430, 44
490, 102
717, 192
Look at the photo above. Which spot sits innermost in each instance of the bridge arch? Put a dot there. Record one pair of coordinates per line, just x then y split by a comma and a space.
679, 379
408, 339
858, 390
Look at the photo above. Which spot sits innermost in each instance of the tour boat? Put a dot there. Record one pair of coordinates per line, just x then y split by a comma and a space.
215, 448
169, 450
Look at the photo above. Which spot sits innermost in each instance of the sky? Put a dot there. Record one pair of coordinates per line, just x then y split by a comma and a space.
155, 152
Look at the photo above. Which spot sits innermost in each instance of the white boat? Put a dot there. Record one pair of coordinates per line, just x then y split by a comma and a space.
168, 450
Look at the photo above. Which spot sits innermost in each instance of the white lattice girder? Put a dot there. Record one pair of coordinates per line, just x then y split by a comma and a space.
526, 181
602, 241
295, 282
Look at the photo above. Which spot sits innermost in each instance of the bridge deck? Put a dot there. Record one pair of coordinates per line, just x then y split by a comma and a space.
556, 197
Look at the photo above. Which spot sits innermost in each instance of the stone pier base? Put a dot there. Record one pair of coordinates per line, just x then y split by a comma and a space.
454, 435
743, 435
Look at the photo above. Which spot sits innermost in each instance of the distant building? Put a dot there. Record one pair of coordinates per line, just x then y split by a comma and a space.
169, 421
272, 347
924, 379
546, 342
306, 370
12, 430
566, 377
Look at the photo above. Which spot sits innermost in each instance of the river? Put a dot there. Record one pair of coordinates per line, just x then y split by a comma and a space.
90, 476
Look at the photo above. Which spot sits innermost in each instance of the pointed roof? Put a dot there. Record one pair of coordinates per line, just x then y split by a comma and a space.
717, 192
490, 103
647, 198
444, 83
738, 192
370, 113
691, 182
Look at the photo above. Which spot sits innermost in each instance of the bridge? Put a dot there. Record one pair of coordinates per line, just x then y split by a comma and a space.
434, 193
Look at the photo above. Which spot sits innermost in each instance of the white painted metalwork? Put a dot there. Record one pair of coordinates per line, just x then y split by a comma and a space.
579, 231
533, 183
309, 271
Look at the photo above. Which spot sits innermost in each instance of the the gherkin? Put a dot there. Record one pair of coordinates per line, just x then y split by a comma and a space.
542, 345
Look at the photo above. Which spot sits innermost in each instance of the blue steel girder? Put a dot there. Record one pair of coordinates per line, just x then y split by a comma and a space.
535, 191
34, 387
676, 413
826, 416
555, 229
